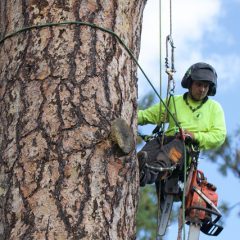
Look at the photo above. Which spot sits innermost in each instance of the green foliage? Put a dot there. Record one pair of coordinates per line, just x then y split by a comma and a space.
147, 208
227, 156
147, 213
228, 159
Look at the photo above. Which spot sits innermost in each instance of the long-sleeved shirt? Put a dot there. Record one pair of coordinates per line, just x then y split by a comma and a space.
206, 123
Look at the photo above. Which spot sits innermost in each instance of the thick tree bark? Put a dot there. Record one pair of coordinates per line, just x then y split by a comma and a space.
64, 174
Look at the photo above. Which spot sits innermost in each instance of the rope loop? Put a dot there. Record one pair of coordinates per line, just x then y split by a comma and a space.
92, 25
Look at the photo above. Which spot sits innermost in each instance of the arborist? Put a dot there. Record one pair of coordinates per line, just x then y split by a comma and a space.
201, 118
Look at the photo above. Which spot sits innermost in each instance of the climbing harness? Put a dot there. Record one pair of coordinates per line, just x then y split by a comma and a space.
173, 188
199, 208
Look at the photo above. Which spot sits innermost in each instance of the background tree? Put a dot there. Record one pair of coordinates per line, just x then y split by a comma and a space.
147, 209
61, 90
228, 155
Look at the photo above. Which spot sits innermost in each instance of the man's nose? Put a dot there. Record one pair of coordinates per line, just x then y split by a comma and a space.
203, 88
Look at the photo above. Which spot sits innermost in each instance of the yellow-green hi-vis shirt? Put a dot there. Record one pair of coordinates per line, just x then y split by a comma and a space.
207, 123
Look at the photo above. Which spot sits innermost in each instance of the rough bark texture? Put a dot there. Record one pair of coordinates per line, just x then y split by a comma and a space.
61, 175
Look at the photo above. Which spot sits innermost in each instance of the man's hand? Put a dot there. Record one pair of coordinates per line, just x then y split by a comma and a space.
189, 138
188, 134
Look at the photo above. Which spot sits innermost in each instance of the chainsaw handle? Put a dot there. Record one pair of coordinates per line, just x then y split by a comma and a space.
219, 215
208, 227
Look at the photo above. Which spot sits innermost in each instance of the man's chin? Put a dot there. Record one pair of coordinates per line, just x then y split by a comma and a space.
197, 98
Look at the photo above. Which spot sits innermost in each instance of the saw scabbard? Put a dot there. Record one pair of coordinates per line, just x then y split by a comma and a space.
169, 193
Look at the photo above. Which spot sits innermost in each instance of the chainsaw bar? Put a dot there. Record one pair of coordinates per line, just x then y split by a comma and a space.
165, 214
170, 189
194, 232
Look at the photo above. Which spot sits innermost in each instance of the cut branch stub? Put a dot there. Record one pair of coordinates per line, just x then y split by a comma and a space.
122, 135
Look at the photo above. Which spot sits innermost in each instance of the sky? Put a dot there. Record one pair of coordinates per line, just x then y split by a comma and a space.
202, 31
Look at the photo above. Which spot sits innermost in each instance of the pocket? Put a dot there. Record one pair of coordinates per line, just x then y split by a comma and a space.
174, 150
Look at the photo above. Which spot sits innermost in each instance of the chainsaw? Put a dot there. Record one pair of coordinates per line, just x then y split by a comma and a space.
200, 204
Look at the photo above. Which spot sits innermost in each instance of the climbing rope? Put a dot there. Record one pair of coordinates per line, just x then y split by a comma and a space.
170, 70
51, 24
160, 109
160, 57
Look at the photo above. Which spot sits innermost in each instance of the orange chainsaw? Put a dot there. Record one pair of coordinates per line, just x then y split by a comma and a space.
201, 205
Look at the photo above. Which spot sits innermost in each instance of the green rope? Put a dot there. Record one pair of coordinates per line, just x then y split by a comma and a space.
160, 57
24, 29
184, 191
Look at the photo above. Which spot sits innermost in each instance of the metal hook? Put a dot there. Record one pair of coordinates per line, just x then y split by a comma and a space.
169, 41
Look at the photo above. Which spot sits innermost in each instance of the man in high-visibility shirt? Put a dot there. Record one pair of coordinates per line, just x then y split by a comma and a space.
200, 118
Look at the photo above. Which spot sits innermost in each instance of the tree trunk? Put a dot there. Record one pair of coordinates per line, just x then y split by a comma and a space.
68, 99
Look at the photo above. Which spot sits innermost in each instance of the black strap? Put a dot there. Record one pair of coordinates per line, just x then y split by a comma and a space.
196, 108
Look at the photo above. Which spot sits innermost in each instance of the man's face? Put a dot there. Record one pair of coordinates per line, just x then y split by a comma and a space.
199, 90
